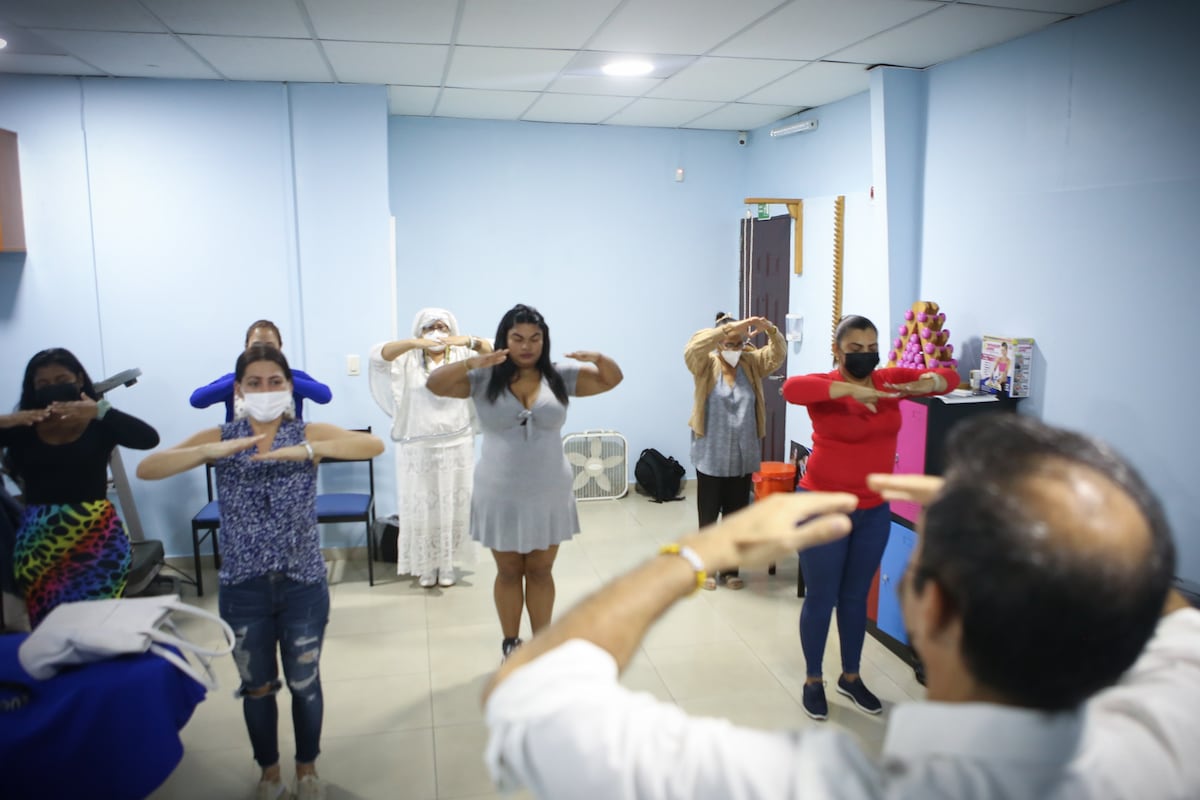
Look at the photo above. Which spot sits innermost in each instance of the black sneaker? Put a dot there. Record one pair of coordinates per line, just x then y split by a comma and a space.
508, 646
814, 701
857, 691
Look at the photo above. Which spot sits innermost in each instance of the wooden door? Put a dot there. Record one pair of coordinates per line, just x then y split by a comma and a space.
766, 269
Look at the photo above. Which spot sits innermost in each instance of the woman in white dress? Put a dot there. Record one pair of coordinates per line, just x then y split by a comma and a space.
435, 448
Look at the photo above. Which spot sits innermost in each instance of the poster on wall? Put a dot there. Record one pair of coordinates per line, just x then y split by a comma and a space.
1006, 365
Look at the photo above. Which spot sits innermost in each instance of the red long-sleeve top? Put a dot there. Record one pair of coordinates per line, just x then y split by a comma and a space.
849, 441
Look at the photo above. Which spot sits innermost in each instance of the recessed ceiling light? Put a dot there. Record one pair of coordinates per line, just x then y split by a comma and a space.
3, 43
628, 68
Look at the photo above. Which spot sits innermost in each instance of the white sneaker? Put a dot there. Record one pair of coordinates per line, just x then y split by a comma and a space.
310, 787
429, 579
446, 577
272, 790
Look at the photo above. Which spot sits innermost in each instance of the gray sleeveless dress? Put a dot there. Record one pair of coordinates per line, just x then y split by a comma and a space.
523, 499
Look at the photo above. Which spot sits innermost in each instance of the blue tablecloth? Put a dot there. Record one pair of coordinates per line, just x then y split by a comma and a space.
109, 729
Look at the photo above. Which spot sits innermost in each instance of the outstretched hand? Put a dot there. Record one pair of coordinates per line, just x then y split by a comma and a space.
773, 528
30, 416
215, 451
928, 383
589, 356
81, 410
869, 396
919, 489
488, 359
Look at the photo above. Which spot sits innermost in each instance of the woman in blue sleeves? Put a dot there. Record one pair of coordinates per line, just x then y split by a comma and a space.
221, 390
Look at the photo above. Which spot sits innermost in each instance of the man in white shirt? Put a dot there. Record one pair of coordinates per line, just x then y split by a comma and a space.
1043, 567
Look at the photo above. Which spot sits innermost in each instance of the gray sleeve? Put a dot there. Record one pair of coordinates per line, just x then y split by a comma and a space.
570, 376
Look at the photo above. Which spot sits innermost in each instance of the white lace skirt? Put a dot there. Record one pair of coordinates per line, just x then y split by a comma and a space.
434, 504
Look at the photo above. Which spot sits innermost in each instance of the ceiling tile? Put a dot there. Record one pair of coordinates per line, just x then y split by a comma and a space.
815, 85
412, 101
1054, 6
574, 108
400, 64
532, 23
111, 15
723, 79
416, 21
810, 29
594, 84
504, 68
44, 65
662, 113
139, 55
482, 104
275, 18
741, 117
948, 33
668, 26
244, 58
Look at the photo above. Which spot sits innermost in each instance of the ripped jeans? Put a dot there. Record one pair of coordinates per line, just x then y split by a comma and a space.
272, 610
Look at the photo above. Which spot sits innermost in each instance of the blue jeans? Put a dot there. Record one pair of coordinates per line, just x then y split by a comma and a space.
839, 574
264, 612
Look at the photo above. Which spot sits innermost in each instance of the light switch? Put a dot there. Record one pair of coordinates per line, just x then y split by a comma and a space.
352, 365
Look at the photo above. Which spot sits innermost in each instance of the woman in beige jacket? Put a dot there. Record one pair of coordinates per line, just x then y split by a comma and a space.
729, 415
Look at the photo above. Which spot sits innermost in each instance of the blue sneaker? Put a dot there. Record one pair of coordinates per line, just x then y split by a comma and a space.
814, 702
857, 691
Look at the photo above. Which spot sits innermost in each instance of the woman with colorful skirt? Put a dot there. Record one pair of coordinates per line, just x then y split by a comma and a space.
71, 544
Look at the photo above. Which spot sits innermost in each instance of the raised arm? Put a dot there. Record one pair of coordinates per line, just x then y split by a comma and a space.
450, 380
201, 448
218, 391
775, 352
307, 387
604, 376
617, 617
323, 440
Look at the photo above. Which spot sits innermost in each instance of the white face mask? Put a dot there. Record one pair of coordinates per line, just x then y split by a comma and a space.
437, 336
266, 406
731, 357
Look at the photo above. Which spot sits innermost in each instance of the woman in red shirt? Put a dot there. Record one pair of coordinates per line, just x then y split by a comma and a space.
855, 411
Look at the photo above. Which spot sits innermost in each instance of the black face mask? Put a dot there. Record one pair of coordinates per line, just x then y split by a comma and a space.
860, 365
43, 396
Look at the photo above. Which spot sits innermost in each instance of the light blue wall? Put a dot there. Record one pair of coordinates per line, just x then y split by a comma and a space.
587, 224
162, 217
1062, 189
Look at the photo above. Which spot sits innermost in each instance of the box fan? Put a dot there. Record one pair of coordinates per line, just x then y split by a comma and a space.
598, 460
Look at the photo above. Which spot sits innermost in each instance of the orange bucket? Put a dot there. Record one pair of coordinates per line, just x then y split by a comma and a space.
774, 476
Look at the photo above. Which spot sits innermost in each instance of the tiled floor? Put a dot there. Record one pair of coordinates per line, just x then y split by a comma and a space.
403, 668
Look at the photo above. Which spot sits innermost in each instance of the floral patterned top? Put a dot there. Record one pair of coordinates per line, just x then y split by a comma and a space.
268, 511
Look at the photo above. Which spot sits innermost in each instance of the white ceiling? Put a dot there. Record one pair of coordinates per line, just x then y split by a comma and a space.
720, 64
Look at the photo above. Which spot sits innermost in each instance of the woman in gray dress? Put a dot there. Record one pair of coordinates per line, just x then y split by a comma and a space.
523, 505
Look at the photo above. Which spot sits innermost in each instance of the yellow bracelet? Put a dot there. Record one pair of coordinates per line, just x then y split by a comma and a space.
689, 555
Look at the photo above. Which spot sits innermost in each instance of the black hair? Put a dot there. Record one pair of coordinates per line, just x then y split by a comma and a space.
52, 356
724, 319
852, 322
503, 373
59, 356
263, 323
260, 351
1046, 622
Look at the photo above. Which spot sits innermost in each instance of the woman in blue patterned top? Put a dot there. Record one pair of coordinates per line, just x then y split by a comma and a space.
273, 588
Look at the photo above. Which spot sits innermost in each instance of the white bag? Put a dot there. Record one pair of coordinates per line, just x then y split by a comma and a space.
93, 630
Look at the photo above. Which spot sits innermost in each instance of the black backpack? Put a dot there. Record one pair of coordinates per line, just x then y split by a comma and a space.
658, 476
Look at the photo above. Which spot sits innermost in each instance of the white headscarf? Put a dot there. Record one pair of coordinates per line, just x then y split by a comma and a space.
427, 316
